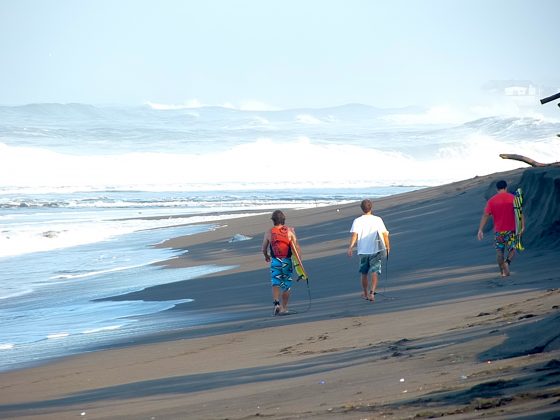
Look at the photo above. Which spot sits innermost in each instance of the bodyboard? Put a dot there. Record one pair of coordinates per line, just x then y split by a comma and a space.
298, 264
518, 210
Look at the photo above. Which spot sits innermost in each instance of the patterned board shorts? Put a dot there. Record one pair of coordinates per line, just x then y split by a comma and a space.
505, 240
281, 273
371, 263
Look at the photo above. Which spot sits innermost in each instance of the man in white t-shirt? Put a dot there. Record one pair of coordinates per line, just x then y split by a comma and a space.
372, 236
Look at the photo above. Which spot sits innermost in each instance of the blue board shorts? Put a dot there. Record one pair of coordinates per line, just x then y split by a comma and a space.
281, 273
371, 263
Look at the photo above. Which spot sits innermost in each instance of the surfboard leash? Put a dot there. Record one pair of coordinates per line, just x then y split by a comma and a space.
308, 294
386, 280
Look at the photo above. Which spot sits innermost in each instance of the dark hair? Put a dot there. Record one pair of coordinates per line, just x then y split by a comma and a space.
278, 217
501, 185
366, 205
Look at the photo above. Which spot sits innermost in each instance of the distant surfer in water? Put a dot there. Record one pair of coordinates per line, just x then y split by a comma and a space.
372, 236
277, 240
500, 208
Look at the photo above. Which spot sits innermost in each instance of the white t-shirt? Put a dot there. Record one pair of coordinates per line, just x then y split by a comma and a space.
370, 230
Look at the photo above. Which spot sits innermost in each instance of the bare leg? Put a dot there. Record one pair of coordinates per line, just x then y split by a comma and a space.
276, 299
275, 293
374, 278
504, 269
510, 256
285, 298
364, 278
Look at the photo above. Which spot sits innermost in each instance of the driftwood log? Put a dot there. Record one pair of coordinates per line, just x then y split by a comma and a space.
527, 160
550, 98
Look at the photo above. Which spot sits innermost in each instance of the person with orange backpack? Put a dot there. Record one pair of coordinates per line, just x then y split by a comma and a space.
276, 248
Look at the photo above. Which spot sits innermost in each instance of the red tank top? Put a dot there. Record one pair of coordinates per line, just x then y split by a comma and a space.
280, 242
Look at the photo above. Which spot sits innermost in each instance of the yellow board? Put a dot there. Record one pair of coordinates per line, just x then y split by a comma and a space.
518, 211
298, 265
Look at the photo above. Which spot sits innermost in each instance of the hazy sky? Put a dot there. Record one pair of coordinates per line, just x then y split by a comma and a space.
285, 53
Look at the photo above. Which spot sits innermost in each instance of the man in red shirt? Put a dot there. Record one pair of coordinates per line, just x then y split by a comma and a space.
500, 207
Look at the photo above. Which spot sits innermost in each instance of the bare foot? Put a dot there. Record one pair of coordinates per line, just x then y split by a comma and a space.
505, 270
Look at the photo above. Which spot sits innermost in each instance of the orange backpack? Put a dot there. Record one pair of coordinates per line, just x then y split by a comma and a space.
280, 242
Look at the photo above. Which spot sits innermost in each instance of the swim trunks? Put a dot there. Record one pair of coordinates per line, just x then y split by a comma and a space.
281, 273
505, 239
371, 263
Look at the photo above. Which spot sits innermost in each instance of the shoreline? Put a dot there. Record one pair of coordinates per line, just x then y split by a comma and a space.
444, 307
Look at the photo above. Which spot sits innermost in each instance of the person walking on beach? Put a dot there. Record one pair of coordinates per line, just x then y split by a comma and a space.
372, 237
500, 208
278, 241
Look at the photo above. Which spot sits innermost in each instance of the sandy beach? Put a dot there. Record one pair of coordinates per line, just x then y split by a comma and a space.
445, 337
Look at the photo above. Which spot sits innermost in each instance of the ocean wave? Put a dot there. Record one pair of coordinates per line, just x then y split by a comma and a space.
445, 115
102, 329
187, 203
75, 116
241, 167
25, 238
57, 336
230, 149
14, 291
515, 128
72, 276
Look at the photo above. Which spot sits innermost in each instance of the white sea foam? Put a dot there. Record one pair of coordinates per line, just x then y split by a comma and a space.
33, 237
102, 329
57, 336
13, 291
7, 346
238, 237
98, 272
248, 166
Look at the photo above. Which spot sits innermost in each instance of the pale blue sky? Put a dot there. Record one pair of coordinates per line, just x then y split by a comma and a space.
288, 53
